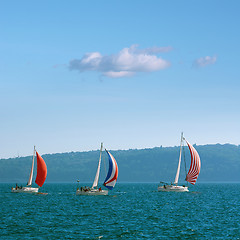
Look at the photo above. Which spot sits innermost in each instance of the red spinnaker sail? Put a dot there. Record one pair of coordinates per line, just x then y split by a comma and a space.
195, 165
41, 171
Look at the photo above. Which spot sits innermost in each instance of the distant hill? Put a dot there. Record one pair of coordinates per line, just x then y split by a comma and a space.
219, 163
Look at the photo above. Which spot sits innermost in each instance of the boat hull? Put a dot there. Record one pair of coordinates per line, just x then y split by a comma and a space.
25, 190
172, 188
91, 192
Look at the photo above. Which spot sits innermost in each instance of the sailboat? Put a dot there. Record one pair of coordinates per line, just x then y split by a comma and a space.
109, 182
40, 178
192, 173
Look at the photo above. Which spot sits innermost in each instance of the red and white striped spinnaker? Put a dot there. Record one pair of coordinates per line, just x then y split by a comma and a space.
195, 165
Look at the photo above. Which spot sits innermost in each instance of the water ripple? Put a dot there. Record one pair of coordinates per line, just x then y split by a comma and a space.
131, 211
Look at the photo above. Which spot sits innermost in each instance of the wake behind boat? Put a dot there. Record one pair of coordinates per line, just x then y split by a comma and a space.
109, 182
192, 173
40, 178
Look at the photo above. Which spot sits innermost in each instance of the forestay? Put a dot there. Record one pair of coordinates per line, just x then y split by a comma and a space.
31, 173
95, 183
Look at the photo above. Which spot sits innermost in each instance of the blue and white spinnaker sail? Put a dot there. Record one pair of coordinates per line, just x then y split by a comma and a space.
112, 175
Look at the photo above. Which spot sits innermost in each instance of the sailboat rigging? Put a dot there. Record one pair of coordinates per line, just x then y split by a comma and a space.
40, 178
192, 174
110, 180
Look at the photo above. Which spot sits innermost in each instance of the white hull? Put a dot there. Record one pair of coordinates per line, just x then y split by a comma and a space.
91, 192
172, 188
25, 190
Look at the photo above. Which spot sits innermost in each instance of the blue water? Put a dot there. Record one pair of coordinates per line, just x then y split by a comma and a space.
130, 211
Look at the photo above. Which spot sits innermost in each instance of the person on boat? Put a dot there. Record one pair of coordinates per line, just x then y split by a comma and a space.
164, 186
100, 189
16, 186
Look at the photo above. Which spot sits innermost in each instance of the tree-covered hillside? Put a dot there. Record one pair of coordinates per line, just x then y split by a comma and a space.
219, 163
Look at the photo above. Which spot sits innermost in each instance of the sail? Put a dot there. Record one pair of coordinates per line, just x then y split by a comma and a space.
179, 162
95, 183
41, 171
31, 173
112, 175
195, 165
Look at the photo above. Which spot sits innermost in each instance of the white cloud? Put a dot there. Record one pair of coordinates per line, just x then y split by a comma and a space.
204, 61
124, 64
118, 74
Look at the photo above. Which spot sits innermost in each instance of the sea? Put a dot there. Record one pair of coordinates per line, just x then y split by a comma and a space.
130, 211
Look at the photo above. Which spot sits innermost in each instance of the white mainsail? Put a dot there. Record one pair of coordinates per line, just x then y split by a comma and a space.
31, 173
179, 162
95, 183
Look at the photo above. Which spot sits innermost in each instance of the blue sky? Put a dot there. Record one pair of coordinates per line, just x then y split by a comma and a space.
133, 74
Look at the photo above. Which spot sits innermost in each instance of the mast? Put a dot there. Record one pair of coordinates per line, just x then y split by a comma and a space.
95, 183
179, 161
31, 173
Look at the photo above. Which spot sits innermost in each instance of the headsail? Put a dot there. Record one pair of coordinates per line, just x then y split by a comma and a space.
95, 183
195, 165
112, 175
41, 171
31, 173
179, 162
